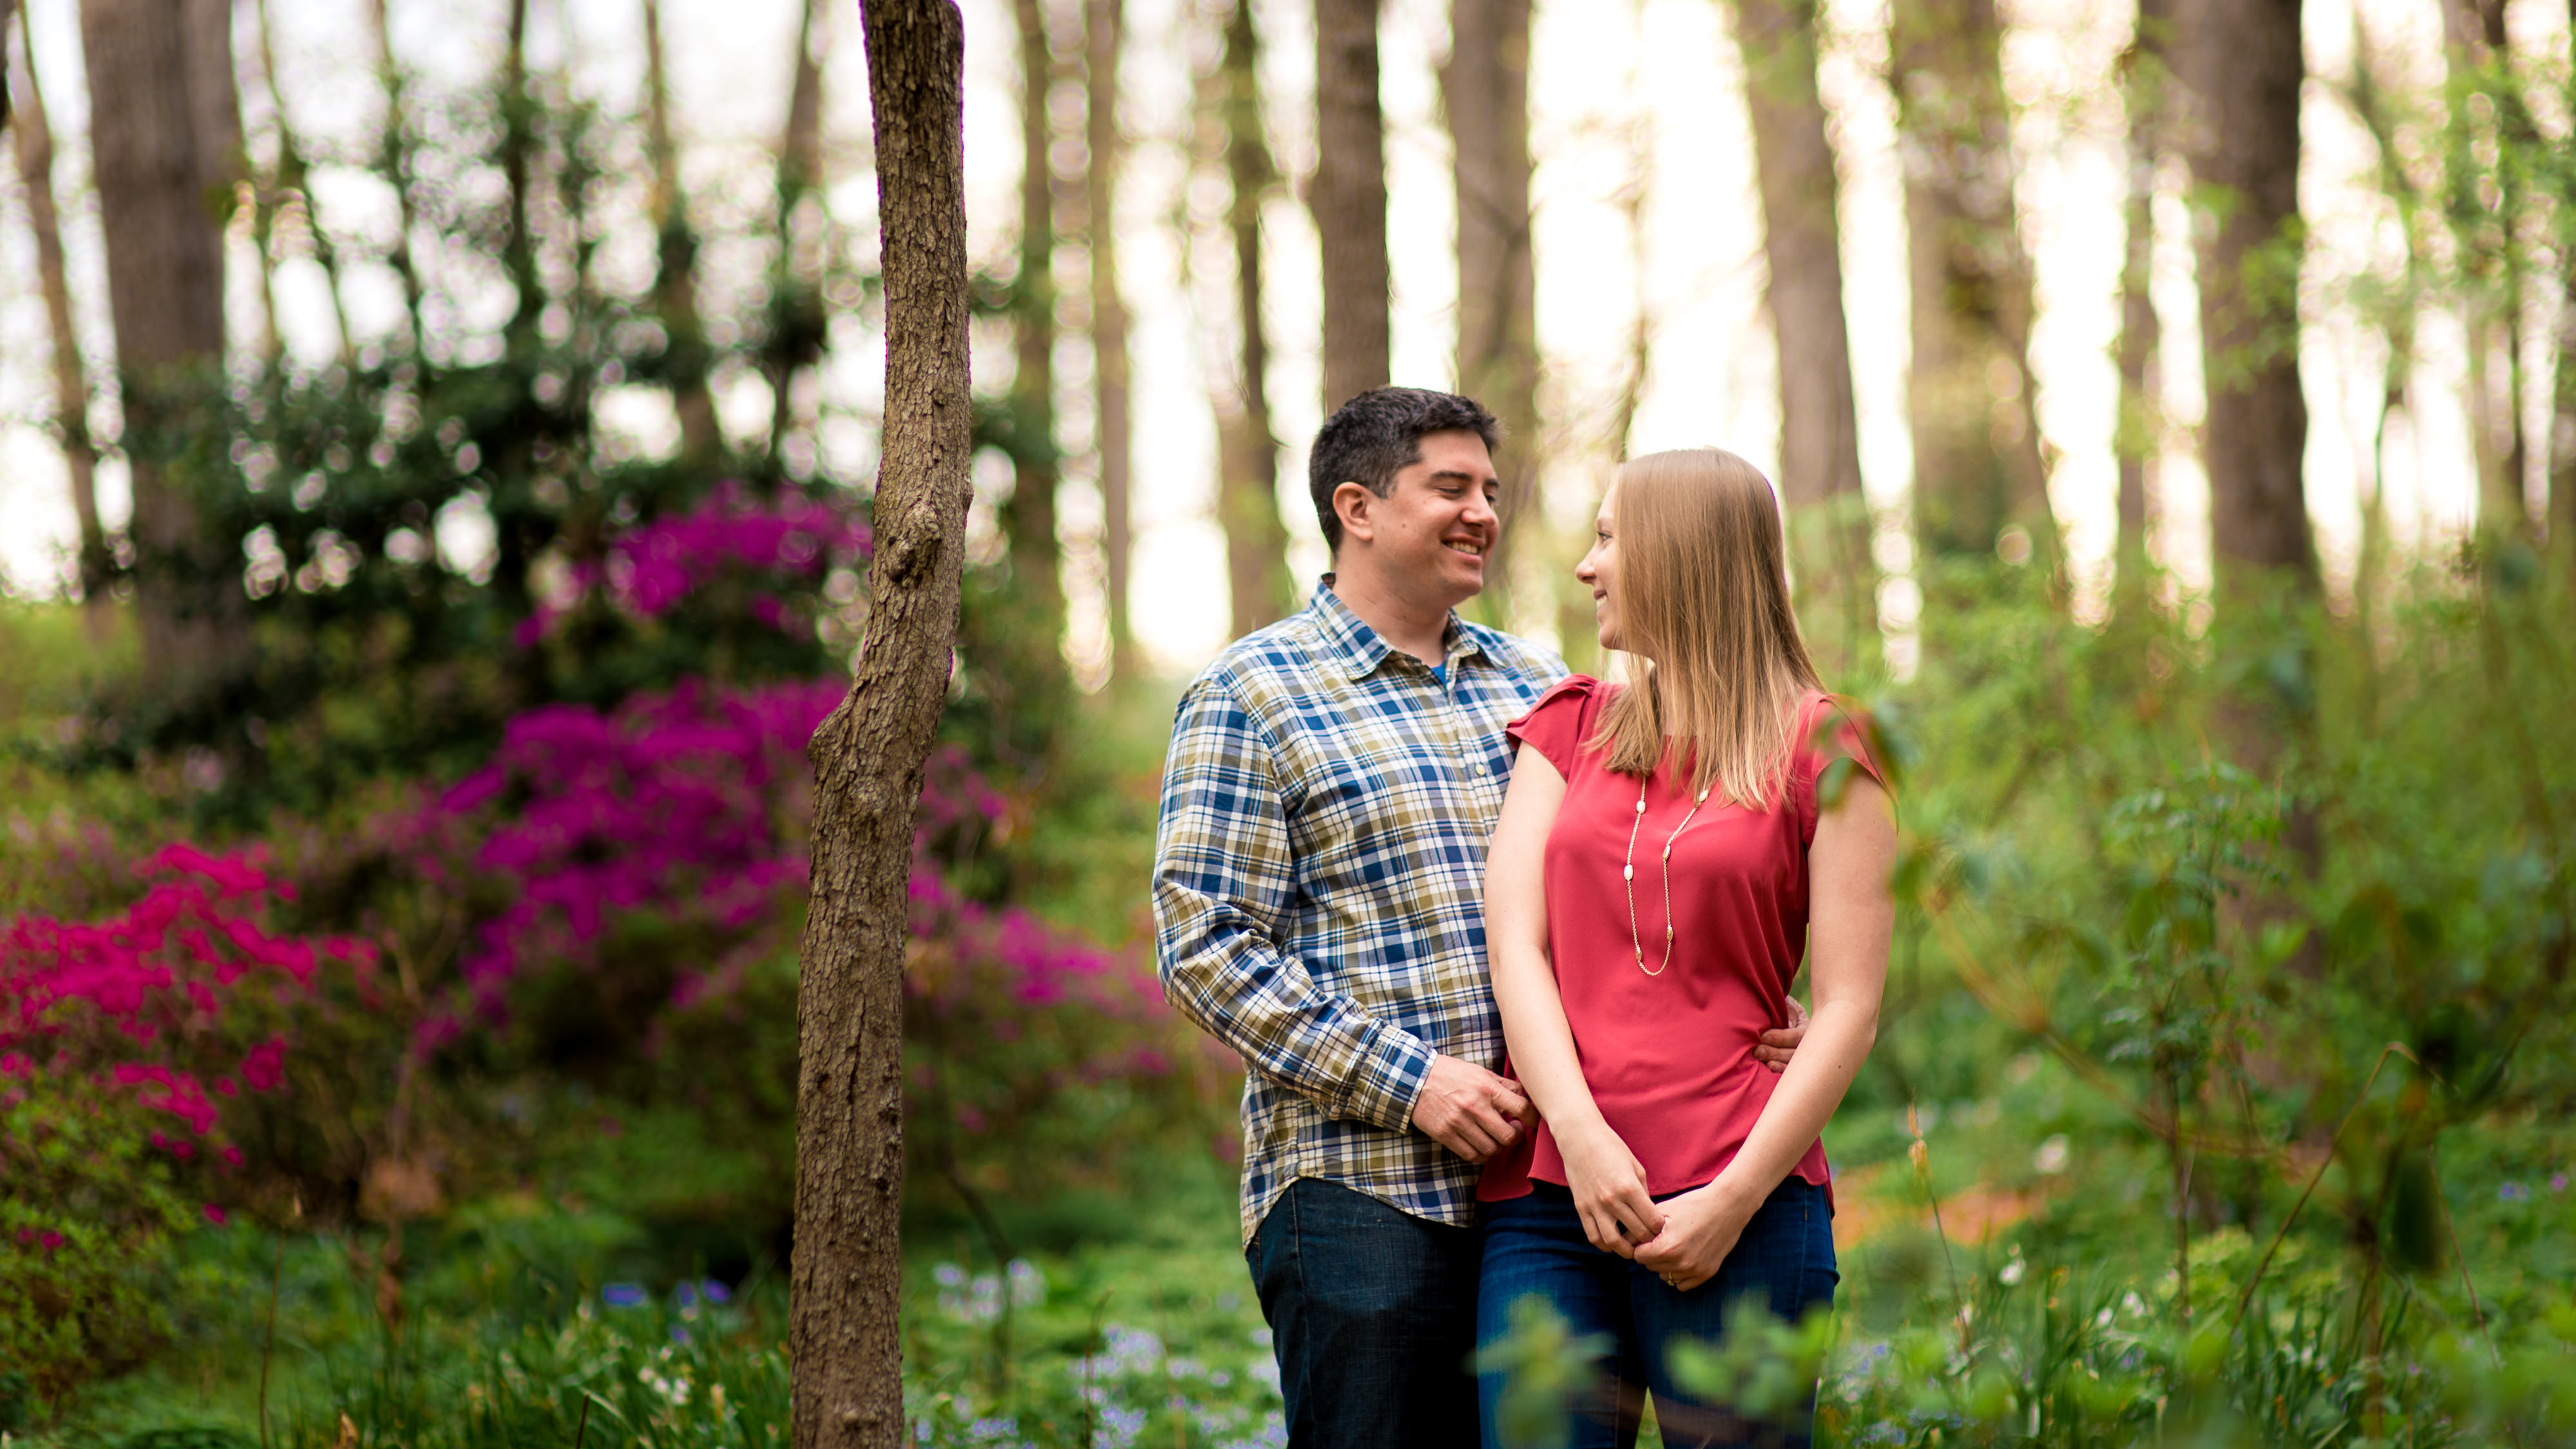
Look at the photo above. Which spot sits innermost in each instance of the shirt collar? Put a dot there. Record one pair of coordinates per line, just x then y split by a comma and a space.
1359, 649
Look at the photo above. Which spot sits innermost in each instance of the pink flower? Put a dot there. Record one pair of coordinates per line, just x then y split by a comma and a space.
214, 1215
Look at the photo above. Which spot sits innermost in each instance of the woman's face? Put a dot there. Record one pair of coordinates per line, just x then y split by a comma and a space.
1600, 570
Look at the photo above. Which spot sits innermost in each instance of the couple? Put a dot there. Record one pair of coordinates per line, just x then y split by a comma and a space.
1395, 844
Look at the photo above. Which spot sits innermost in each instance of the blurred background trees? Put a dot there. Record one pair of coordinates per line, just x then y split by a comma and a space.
468, 507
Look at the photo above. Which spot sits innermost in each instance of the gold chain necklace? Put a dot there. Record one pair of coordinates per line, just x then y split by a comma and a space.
1628, 874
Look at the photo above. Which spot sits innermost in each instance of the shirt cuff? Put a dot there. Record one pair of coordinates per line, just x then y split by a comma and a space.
1393, 1064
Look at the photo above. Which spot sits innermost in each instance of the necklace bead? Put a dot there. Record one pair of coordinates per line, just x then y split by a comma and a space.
1628, 874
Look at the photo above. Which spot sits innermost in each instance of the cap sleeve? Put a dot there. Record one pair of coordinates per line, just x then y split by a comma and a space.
1556, 725
1827, 733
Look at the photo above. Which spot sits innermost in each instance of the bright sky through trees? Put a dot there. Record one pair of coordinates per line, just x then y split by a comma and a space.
1620, 94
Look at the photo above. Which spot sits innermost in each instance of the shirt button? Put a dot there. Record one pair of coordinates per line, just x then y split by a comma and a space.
1475, 767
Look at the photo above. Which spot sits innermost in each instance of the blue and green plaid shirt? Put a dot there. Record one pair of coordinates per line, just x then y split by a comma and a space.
1319, 882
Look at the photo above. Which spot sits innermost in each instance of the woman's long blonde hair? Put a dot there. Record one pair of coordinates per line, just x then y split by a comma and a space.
1704, 589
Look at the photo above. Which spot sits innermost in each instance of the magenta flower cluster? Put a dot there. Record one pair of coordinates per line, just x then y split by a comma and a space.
687, 803
649, 569
156, 1002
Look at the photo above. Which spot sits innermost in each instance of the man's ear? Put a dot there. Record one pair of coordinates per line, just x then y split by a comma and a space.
1354, 505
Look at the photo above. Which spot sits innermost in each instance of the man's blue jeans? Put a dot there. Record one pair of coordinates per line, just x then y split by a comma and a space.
1535, 1244
1373, 1313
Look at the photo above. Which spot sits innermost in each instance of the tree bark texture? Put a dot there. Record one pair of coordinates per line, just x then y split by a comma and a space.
1794, 169
2243, 69
1029, 519
1104, 37
1348, 198
675, 285
2145, 73
844, 1333
1969, 394
165, 296
1256, 542
1484, 87
33, 140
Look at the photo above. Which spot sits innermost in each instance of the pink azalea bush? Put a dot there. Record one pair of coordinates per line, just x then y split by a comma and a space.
124, 1043
649, 570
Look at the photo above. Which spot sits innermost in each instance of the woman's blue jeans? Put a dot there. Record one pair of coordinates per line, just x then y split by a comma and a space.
1535, 1245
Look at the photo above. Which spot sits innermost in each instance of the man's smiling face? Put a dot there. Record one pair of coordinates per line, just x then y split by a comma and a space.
1437, 525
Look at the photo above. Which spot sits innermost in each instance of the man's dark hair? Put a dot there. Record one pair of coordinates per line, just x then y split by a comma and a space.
1371, 438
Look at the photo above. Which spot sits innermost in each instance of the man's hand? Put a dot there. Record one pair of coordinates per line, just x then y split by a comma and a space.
1773, 1048
1471, 1111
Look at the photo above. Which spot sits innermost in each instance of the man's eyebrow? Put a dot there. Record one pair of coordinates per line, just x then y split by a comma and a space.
1464, 476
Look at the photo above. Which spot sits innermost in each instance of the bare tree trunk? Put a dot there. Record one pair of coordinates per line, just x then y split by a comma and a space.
2243, 69
2145, 72
1977, 461
1256, 543
393, 161
2474, 31
2562, 421
1029, 520
1484, 87
1105, 35
845, 1335
8, 8
34, 138
797, 324
1348, 197
1820, 485
214, 113
291, 180
675, 288
518, 142
165, 290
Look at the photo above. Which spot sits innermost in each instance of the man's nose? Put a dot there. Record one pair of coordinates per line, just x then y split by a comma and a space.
1481, 511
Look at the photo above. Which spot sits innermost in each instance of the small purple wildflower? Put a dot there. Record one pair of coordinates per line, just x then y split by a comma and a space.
622, 1295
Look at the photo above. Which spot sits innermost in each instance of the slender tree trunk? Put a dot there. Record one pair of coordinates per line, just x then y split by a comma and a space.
2478, 44
2144, 73
1820, 485
393, 161
165, 291
2242, 66
675, 288
1484, 87
2244, 70
32, 132
845, 1333
797, 324
8, 9
291, 181
1029, 519
2562, 422
518, 144
214, 114
1977, 461
1256, 542
1105, 36
1348, 197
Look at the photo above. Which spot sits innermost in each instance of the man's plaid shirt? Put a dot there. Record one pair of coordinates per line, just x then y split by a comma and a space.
1319, 889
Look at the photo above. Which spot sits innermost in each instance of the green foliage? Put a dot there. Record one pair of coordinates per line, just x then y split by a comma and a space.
1548, 1370
87, 1211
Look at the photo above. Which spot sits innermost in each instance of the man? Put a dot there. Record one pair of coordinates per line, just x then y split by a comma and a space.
1319, 907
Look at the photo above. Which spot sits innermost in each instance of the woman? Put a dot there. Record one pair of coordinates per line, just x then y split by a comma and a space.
1661, 855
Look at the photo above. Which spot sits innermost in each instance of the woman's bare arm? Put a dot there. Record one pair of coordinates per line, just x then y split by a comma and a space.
1608, 1183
